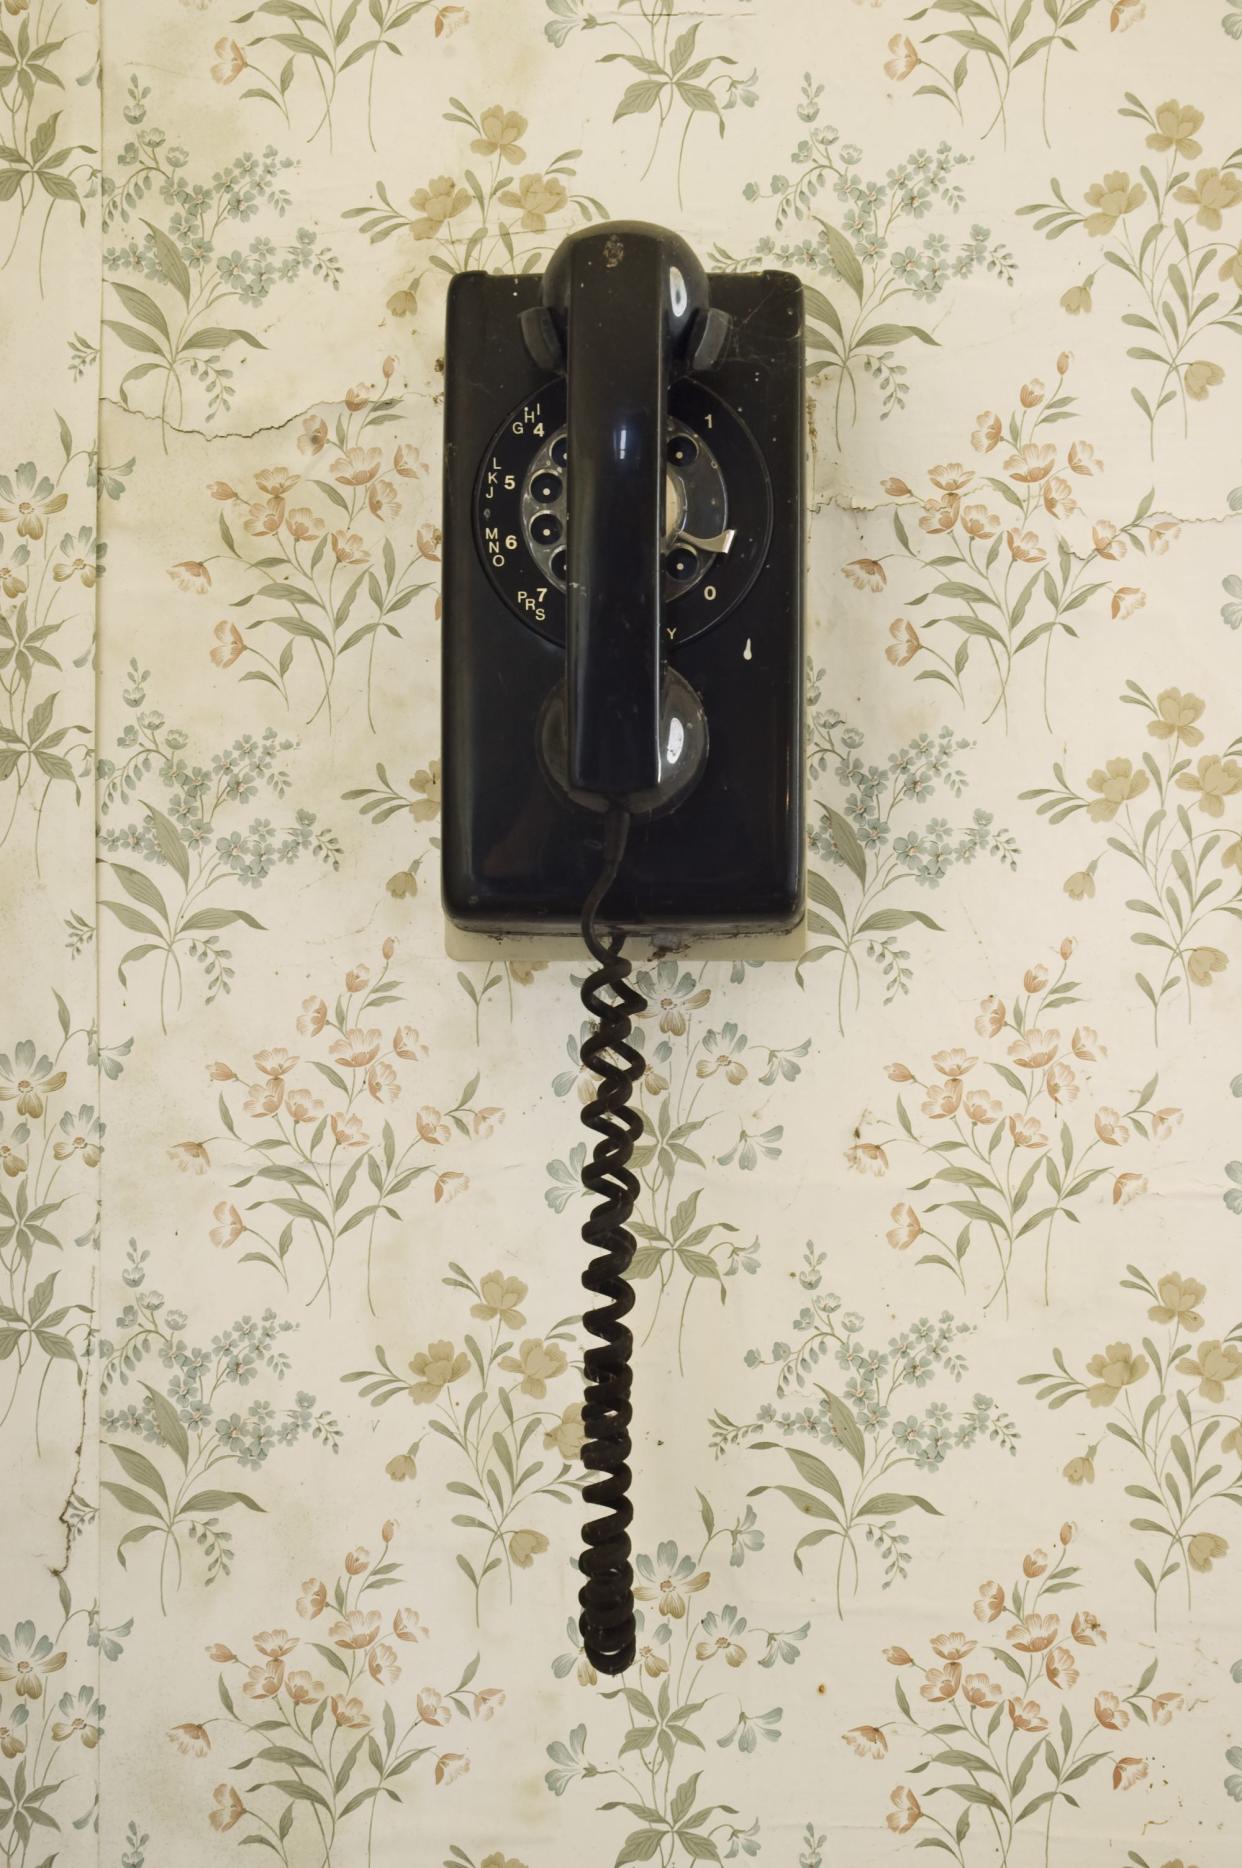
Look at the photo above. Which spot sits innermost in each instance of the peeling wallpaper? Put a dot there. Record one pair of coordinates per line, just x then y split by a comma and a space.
940, 1380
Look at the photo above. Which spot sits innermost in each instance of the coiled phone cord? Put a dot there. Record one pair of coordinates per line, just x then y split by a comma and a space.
607, 1596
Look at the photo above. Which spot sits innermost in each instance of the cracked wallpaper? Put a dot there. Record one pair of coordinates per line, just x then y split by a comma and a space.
939, 1268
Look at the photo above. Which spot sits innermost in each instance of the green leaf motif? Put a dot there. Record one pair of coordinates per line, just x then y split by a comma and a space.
141, 306
821, 890
816, 1473
847, 844
43, 137
134, 1536
133, 1501
846, 1427
204, 918
168, 1421
844, 258
639, 1846
134, 338
140, 888
805, 1502
885, 920
304, 1793
638, 98
219, 337
219, 1501
882, 335
138, 1467
170, 262
888, 1504
168, 841
975, 1793
698, 97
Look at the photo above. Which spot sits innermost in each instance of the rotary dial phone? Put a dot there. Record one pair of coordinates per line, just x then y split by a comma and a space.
623, 513
621, 679
522, 505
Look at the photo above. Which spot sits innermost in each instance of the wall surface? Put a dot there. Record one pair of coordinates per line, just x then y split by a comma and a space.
940, 1449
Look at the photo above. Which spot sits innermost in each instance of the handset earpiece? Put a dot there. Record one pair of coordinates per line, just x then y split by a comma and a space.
625, 307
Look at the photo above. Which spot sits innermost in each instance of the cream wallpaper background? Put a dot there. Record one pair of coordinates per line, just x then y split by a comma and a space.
941, 1376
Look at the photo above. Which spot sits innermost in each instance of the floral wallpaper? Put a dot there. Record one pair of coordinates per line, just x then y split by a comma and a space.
940, 1371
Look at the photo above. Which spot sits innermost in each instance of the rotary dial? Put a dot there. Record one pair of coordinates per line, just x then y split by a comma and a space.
695, 509
716, 518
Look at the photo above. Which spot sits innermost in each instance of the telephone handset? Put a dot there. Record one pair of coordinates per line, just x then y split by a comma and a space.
621, 676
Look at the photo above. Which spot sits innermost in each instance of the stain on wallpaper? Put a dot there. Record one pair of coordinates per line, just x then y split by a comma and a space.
940, 1376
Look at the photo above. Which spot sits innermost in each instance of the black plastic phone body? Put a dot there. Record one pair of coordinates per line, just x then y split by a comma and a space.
517, 855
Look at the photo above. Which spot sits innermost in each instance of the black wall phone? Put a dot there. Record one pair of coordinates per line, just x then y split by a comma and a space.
622, 676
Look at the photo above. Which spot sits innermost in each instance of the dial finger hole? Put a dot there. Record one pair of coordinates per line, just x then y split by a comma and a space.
682, 451
560, 450
557, 566
545, 528
681, 563
547, 487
